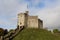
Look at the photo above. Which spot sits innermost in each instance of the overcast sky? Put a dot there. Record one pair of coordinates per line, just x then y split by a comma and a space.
47, 10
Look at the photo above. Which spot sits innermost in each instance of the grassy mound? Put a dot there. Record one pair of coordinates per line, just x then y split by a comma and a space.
35, 34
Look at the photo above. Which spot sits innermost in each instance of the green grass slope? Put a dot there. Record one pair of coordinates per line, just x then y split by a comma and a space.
35, 34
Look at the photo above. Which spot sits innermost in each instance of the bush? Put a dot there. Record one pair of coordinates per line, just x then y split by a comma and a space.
1, 32
55, 31
11, 30
5, 31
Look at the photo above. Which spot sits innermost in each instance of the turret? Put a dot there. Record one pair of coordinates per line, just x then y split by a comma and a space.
26, 12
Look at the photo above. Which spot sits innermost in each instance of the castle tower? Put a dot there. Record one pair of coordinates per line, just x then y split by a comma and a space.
22, 19
25, 20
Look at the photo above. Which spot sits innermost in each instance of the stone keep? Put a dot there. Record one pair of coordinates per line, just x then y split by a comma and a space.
29, 21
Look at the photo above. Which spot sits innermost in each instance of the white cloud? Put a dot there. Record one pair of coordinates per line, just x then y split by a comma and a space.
8, 12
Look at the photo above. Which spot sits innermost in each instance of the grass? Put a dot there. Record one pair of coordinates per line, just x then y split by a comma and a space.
35, 34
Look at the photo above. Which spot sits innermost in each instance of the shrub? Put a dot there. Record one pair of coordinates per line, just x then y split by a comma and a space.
1, 32
5, 31
55, 31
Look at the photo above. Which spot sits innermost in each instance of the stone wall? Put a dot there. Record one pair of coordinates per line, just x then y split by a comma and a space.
32, 21
40, 23
0, 38
29, 21
21, 20
26, 18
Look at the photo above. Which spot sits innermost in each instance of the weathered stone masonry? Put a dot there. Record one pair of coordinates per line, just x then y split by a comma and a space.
29, 21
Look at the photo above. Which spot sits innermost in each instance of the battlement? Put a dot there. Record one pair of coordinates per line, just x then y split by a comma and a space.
33, 17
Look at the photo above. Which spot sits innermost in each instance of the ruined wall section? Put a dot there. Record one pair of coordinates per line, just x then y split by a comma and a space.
33, 21
26, 19
29, 21
21, 19
40, 23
